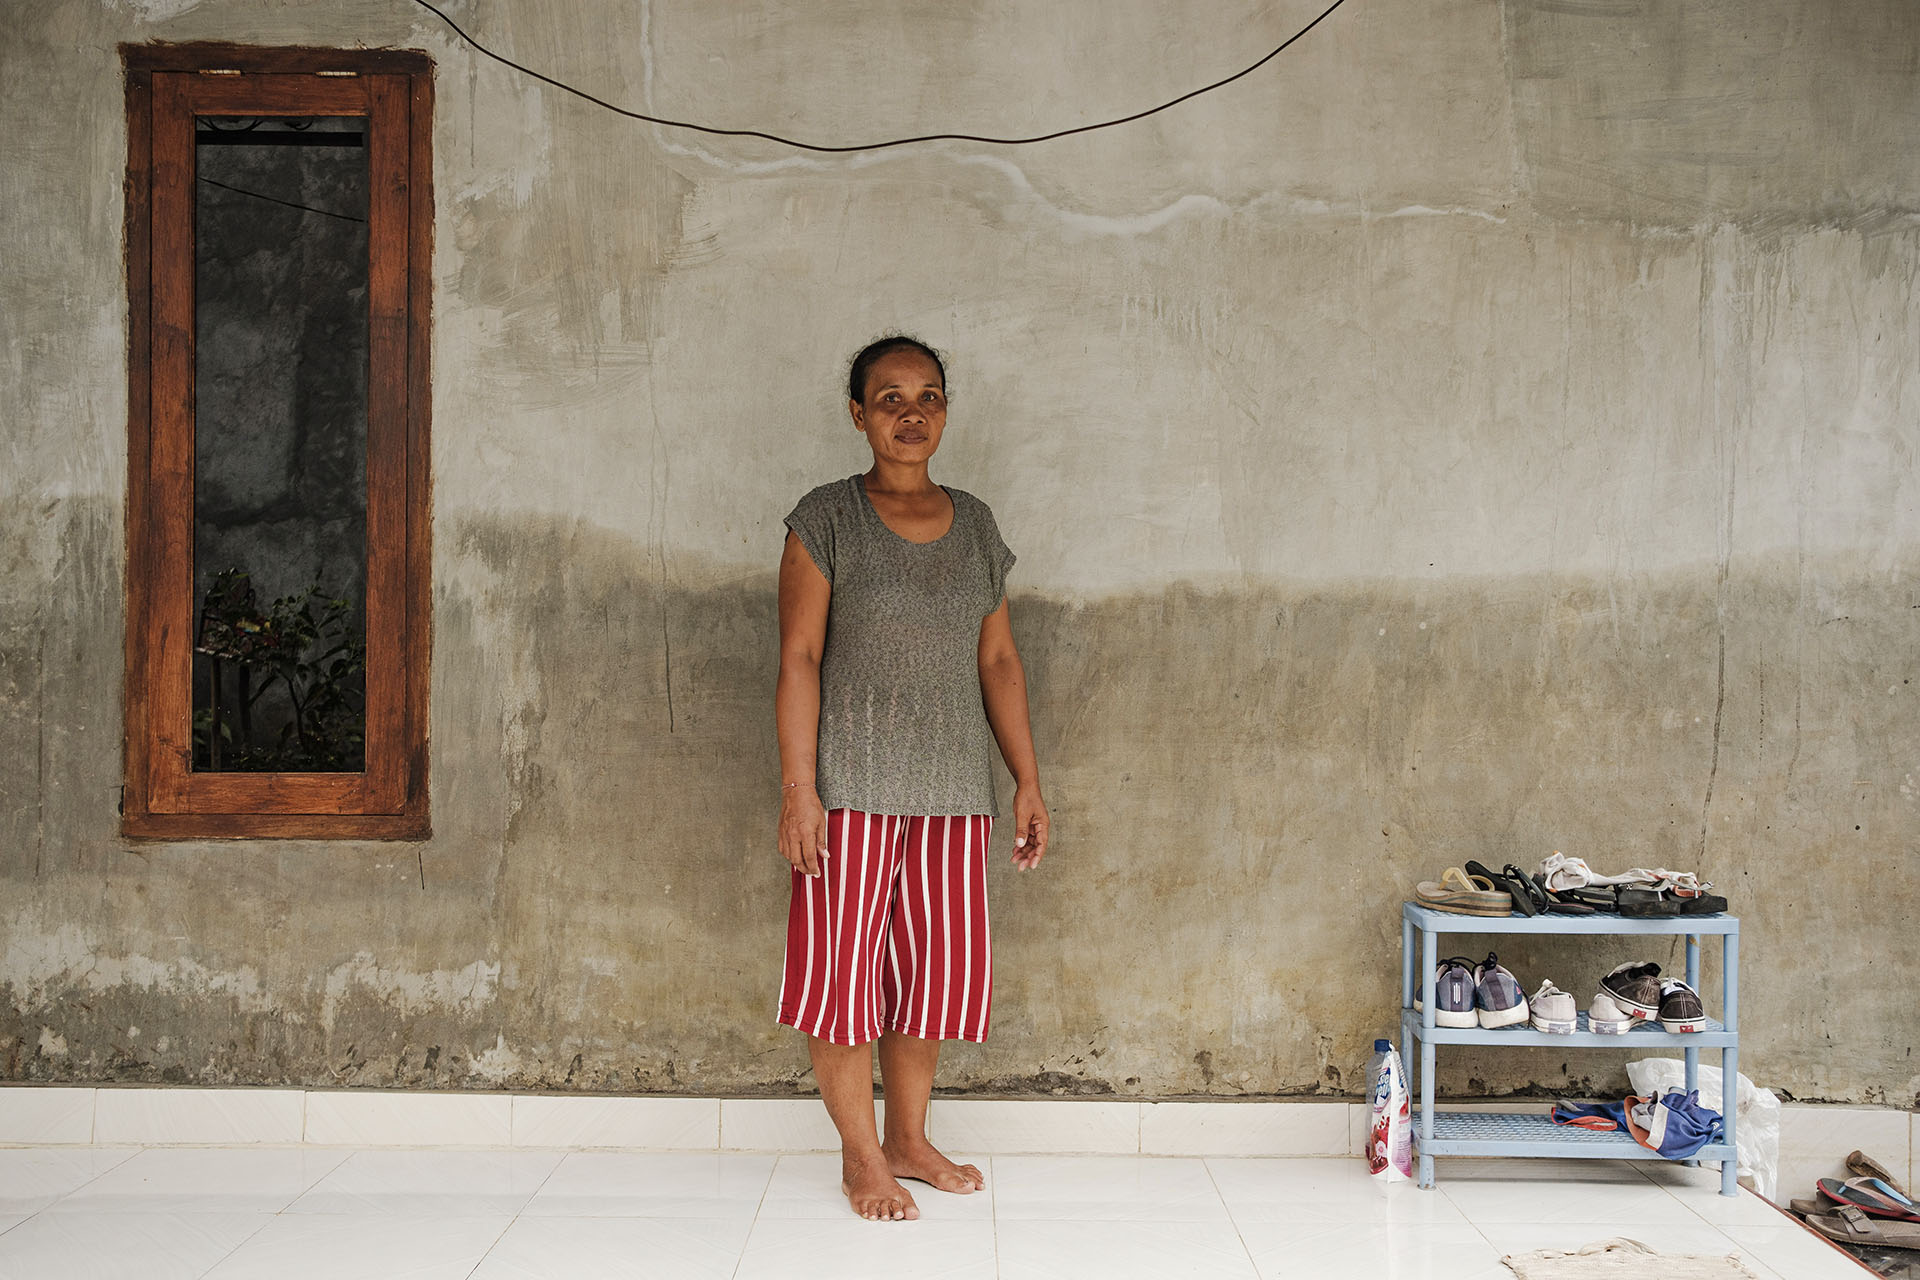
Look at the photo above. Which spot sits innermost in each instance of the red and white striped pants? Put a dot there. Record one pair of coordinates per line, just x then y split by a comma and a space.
892, 934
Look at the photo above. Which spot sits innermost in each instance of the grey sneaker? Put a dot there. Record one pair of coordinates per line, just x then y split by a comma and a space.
1635, 987
1452, 994
1680, 1007
1553, 1010
1496, 994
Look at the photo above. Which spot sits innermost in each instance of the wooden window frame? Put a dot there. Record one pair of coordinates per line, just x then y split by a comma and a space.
167, 85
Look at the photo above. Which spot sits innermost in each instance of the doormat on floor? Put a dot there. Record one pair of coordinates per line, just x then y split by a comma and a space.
1624, 1259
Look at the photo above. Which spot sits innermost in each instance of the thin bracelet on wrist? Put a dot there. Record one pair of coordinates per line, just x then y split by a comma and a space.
785, 785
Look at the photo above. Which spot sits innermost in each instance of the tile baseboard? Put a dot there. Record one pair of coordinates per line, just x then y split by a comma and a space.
51, 1115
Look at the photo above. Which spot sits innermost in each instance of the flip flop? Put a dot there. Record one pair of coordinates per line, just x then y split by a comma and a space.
1866, 1166
1872, 1196
1517, 887
1455, 891
1519, 882
1561, 904
1851, 1226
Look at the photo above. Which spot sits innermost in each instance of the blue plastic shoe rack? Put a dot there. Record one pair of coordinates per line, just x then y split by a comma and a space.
1466, 1133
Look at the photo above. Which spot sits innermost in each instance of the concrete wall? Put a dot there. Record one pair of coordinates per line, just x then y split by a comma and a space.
1488, 429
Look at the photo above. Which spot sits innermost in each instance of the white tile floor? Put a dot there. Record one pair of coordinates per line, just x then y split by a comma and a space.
290, 1213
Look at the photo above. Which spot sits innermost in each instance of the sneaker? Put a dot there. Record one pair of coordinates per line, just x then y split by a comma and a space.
1635, 987
1553, 1010
1606, 1017
1496, 995
1680, 1007
1452, 994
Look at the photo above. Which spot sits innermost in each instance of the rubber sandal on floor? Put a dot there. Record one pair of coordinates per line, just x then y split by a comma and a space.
1871, 1196
1863, 1165
1850, 1226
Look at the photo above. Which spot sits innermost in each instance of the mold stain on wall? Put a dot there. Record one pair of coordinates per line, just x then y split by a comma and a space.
1243, 783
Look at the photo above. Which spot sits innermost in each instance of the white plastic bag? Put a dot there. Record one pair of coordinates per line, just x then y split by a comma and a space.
1756, 1114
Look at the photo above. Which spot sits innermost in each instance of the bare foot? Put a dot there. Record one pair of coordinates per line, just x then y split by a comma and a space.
872, 1191
920, 1161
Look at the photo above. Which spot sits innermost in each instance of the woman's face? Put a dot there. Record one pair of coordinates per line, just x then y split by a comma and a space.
905, 409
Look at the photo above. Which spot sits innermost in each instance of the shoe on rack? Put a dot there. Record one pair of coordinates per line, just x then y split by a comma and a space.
1563, 904
1680, 1007
1637, 903
1453, 994
1553, 1010
1606, 1018
1596, 899
1635, 987
1457, 892
1529, 899
1498, 1001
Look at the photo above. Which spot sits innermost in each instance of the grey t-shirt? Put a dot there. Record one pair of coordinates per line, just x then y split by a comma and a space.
903, 729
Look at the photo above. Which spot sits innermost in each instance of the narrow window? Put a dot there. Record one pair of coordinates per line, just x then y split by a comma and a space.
279, 224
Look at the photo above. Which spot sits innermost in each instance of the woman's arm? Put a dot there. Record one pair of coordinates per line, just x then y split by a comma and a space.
1003, 688
804, 593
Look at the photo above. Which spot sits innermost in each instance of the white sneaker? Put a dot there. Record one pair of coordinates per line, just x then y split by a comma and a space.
1607, 1018
1553, 1010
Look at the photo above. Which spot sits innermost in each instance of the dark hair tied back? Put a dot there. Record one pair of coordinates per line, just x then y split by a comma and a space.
870, 355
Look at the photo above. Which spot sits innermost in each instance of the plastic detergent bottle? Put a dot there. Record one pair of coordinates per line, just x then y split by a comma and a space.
1390, 1127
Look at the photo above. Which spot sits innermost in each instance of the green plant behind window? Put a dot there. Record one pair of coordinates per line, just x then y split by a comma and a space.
304, 658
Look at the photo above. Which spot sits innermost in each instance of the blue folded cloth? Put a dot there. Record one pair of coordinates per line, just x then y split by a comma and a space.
1676, 1124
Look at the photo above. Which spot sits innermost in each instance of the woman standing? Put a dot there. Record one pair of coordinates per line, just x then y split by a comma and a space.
897, 673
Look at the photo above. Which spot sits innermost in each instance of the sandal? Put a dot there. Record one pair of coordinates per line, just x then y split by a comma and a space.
1871, 1196
1865, 1166
1851, 1226
1515, 883
1645, 904
1456, 892
1561, 904
1519, 882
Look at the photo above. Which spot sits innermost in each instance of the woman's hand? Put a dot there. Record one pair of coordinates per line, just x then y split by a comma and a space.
1029, 827
803, 828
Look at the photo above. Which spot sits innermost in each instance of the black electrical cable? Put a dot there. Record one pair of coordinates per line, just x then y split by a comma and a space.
261, 195
890, 142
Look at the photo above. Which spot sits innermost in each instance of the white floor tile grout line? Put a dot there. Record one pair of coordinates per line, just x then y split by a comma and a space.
773, 1171
993, 1210
481, 1261
1206, 1162
1468, 1218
